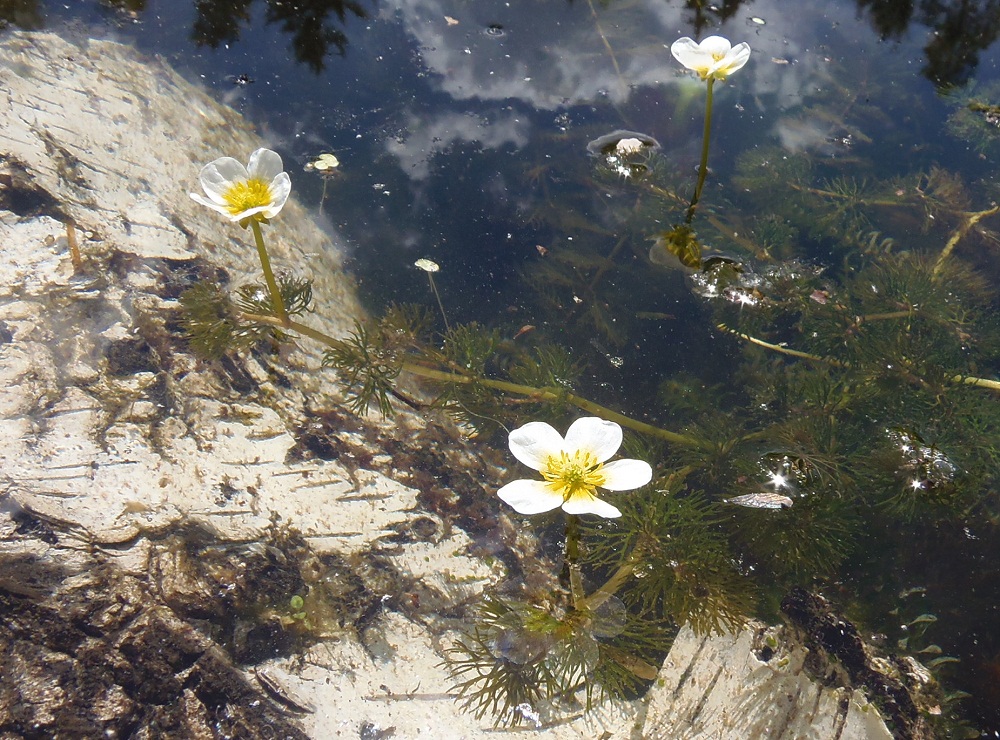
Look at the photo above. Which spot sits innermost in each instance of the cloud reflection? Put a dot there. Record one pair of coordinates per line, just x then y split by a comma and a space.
606, 59
429, 135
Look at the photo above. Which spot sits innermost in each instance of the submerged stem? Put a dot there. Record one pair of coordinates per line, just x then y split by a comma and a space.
971, 219
437, 295
272, 285
783, 350
572, 557
616, 581
993, 385
703, 168
541, 394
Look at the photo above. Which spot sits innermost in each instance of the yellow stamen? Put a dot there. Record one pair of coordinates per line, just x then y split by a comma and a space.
246, 194
572, 475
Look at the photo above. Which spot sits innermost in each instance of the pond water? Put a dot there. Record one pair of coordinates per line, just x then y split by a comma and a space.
858, 142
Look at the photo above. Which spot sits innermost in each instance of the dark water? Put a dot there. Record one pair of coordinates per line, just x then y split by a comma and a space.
462, 132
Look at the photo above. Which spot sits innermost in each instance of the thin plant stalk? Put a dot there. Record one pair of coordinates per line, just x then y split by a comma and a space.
703, 168
541, 394
430, 277
272, 284
572, 558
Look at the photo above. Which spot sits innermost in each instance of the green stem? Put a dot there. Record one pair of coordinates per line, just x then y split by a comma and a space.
705, 137
546, 394
993, 385
437, 295
971, 219
272, 285
541, 394
615, 582
573, 560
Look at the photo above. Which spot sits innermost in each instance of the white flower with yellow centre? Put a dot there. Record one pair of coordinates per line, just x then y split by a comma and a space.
255, 192
573, 468
714, 58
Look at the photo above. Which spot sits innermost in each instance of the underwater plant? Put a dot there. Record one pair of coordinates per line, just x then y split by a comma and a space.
836, 415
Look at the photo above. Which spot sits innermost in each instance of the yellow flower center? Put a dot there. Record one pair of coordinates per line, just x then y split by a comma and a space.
246, 194
571, 475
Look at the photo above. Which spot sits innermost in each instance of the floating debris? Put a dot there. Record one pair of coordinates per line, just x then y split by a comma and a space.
608, 144
427, 265
629, 146
623, 153
761, 500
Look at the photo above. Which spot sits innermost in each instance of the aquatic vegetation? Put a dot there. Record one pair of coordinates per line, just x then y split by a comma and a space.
327, 165
817, 393
715, 58
430, 267
324, 163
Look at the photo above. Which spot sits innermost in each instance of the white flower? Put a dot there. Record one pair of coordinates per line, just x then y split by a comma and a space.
257, 191
573, 468
713, 58
629, 146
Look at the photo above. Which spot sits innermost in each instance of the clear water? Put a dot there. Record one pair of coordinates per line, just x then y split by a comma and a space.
462, 132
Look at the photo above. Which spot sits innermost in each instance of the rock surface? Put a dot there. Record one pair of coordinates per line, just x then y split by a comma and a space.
160, 514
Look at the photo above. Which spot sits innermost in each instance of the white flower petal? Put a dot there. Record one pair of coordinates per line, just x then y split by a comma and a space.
687, 52
715, 46
590, 434
197, 197
624, 475
218, 177
281, 187
739, 56
629, 146
248, 213
530, 496
585, 503
264, 165
534, 443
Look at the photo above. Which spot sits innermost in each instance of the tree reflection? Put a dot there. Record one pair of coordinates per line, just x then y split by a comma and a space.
314, 32
961, 29
218, 23
129, 6
707, 16
20, 13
